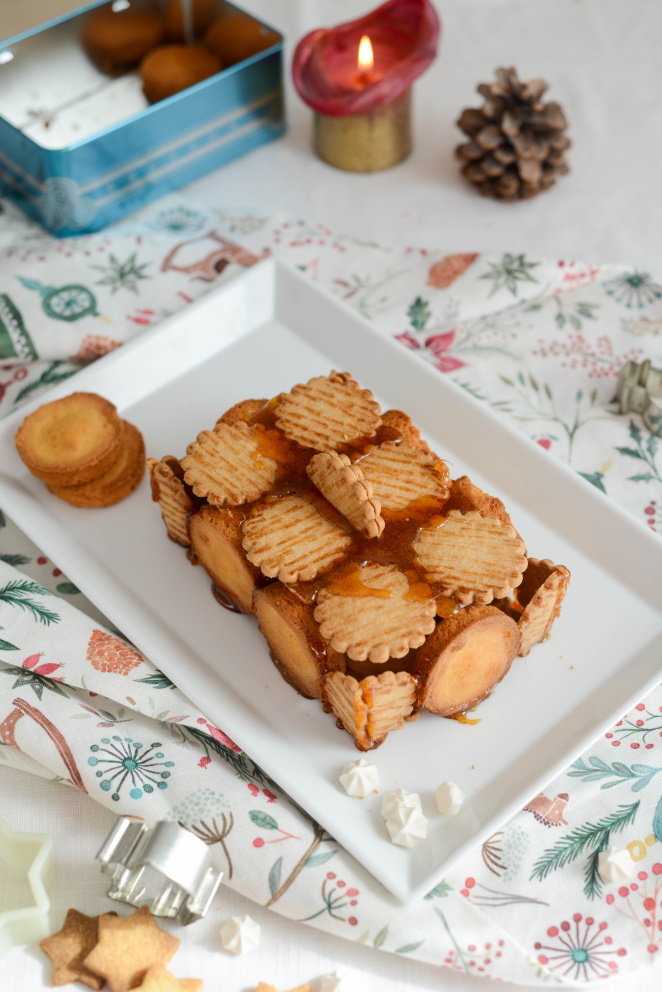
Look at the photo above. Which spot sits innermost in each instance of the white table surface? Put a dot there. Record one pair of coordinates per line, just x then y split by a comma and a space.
601, 58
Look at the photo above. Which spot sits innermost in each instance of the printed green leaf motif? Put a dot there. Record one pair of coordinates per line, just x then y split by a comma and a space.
641, 477
419, 313
19, 593
6, 646
15, 560
657, 820
408, 948
319, 859
274, 876
381, 937
631, 452
121, 275
263, 820
67, 589
595, 479
157, 680
439, 891
48, 377
507, 274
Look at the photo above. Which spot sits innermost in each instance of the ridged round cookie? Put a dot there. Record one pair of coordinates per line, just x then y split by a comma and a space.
473, 558
117, 482
289, 539
328, 411
71, 440
225, 465
169, 492
400, 473
375, 627
345, 488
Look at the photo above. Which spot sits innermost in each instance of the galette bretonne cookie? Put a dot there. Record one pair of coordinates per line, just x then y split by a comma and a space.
345, 487
225, 465
371, 708
540, 594
71, 440
117, 482
375, 627
289, 539
400, 473
168, 490
473, 558
128, 946
464, 658
328, 411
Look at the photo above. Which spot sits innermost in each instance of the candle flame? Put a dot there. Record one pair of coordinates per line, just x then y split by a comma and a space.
366, 57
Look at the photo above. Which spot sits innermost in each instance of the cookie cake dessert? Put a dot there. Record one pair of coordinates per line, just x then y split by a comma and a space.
382, 586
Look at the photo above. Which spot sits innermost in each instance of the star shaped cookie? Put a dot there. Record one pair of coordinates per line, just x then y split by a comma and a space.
159, 979
128, 946
68, 948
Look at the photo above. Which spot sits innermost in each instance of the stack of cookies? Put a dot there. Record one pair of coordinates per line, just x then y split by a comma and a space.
84, 452
381, 585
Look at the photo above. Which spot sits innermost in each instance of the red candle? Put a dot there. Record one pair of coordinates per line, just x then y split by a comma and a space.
403, 35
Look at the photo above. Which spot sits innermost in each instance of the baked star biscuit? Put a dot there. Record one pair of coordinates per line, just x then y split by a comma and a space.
472, 558
464, 658
328, 411
376, 627
345, 488
168, 490
128, 946
71, 440
371, 708
400, 473
225, 465
540, 594
117, 482
290, 539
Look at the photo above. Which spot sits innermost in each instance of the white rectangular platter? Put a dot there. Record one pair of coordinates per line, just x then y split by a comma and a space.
258, 336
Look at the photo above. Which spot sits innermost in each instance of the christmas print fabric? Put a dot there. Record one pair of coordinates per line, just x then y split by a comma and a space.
541, 343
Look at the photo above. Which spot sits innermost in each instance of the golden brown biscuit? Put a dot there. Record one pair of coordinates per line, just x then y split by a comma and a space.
472, 558
71, 440
117, 482
540, 595
216, 545
327, 412
403, 423
117, 41
297, 647
289, 539
226, 467
173, 68
465, 496
345, 487
159, 979
464, 658
371, 708
169, 491
400, 473
68, 948
128, 946
243, 410
236, 36
379, 624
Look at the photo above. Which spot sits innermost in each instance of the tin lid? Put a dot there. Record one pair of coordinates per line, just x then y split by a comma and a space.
28, 18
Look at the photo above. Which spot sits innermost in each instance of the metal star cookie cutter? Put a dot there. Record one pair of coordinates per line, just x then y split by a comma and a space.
167, 869
27, 856
639, 389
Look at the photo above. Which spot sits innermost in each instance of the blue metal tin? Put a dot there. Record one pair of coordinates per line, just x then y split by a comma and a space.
92, 182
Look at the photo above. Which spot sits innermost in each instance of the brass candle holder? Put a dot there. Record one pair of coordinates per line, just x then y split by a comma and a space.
369, 142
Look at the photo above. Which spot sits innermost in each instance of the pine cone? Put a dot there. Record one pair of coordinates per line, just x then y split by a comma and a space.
517, 142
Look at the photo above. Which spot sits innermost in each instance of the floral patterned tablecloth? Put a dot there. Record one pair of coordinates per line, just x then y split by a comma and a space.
541, 343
